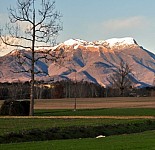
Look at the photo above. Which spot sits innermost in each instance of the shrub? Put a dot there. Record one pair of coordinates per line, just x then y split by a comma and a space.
15, 108
75, 132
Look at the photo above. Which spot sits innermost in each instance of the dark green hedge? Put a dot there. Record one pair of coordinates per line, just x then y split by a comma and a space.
15, 108
77, 132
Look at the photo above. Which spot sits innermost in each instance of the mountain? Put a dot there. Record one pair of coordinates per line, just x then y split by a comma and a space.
4, 49
88, 61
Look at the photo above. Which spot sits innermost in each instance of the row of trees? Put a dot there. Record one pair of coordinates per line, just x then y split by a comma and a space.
62, 89
66, 89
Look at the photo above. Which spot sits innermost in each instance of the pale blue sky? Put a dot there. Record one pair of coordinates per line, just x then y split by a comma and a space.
92, 20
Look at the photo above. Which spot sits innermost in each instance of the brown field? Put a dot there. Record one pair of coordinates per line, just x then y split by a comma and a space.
84, 103
92, 103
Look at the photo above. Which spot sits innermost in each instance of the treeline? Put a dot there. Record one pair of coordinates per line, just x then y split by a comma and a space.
66, 89
130, 92
62, 89
13, 91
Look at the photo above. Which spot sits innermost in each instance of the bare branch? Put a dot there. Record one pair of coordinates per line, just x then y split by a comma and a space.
46, 12
42, 57
44, 25
21, 71
22, 13
121, 78
13, 45
41, 72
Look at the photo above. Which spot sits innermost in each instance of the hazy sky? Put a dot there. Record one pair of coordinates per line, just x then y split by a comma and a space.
92, 20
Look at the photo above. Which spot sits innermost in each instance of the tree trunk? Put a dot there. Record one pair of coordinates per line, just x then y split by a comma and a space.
32, 70
32, 94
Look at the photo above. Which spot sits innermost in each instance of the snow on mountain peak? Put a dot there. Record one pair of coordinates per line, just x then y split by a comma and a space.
112, 42
121, 41
71, 42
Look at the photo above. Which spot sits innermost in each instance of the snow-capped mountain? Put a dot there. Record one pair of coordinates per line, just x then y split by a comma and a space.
4, 49
88, 61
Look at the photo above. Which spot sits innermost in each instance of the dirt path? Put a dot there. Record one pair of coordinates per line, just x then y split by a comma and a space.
82, 117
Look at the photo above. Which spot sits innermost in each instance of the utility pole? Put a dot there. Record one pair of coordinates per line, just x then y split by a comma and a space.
75, 90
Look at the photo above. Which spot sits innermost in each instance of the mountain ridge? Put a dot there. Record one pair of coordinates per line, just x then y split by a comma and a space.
90, 61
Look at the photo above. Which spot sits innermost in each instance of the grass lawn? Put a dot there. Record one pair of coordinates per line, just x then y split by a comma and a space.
16, 124
97, 112
140, 141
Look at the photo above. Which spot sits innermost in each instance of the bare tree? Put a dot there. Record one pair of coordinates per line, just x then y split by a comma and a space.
42, 24
121, 79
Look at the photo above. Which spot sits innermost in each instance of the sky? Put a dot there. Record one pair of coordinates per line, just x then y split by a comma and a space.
93, 20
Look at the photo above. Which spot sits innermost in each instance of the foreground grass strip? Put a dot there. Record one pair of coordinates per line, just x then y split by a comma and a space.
140, 141
74, 132
8, 125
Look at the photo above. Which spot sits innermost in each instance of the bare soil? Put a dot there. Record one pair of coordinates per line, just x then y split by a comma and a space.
93, 103
82, 117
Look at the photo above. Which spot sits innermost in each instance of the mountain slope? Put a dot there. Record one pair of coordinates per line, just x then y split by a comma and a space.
89, 61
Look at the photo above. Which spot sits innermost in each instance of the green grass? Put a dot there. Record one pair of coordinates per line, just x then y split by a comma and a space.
140, 141
17, 124
98, 112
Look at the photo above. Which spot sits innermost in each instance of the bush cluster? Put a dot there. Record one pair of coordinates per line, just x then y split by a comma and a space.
77, 132
15, 108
